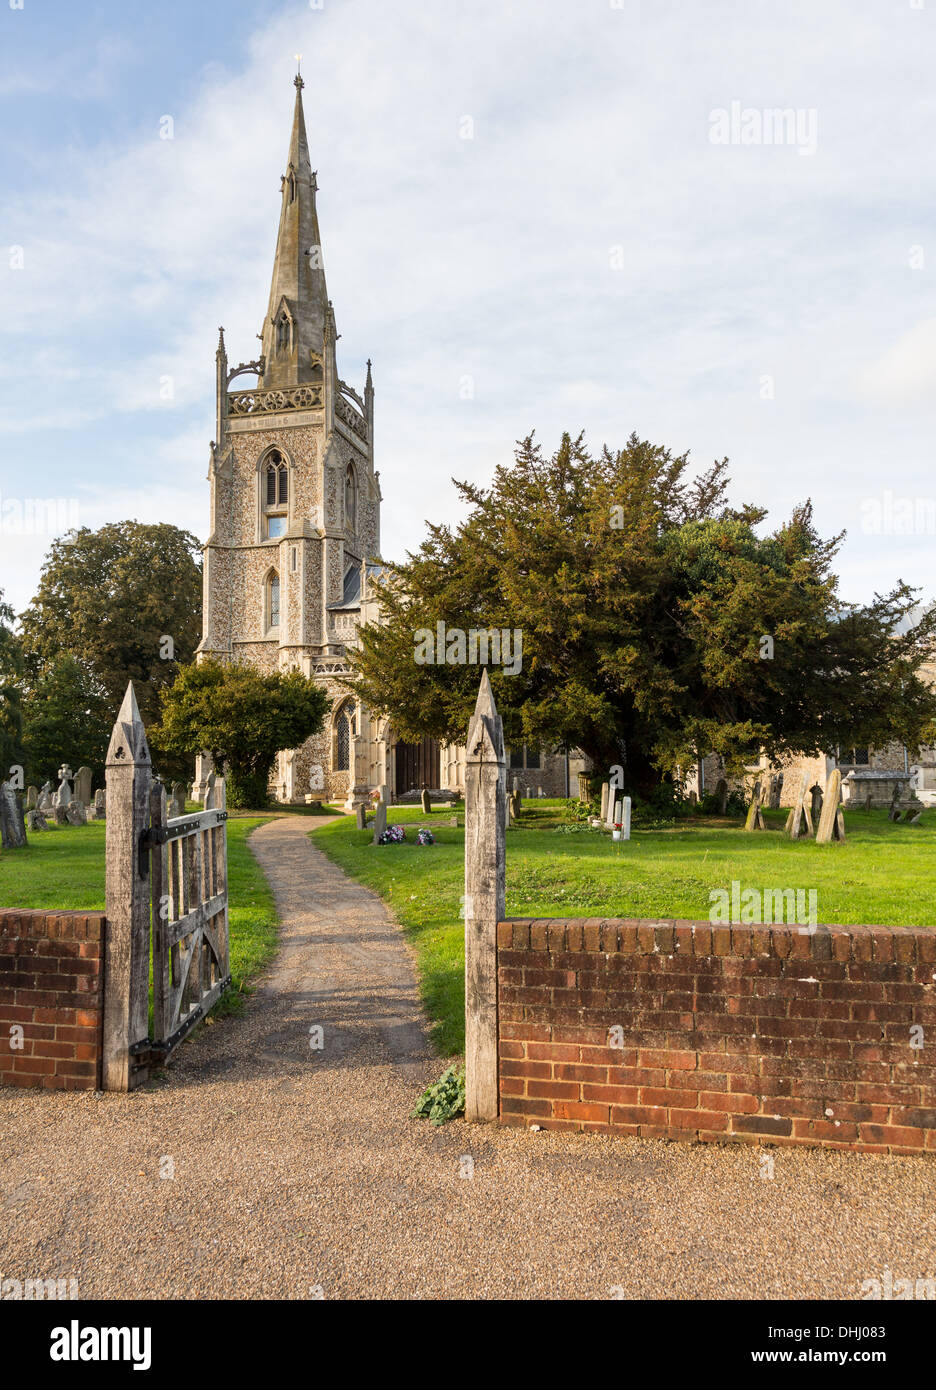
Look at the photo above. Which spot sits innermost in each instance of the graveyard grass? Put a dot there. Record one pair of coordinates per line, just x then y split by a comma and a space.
62, 869
882, 874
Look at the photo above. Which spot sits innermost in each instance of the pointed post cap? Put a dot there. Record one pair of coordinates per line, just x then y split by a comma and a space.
128, 746
486, 729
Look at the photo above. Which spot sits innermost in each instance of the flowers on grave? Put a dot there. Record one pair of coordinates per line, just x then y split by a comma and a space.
375, 795
393, 835
424, 837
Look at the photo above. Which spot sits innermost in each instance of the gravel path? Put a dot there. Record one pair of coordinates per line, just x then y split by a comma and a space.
297, 1173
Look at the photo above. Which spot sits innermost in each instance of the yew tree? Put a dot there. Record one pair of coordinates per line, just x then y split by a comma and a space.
659, 622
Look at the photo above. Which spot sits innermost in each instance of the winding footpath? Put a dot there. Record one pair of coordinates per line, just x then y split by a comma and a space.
293, 1171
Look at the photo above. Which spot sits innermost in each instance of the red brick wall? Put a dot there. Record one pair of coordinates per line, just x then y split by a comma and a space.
51, 983
729, 1033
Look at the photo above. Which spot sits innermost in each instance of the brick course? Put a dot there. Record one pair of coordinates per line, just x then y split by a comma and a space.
777, 1034
51, 984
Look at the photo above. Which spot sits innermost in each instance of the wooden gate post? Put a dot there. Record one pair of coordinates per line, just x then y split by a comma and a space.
485, 900
128, 772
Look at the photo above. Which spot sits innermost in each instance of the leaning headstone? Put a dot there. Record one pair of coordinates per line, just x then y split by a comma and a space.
76, 814
605, 793
815, 793
12, 823
755, 816
83, 786
35, 820
799, 813
32, 798
721, 795
380, 821
831, 822
425, 802
361, 817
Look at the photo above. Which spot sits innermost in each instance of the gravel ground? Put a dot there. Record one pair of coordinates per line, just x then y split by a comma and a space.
297, 1173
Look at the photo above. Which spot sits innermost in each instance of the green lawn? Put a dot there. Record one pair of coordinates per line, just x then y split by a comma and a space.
63, 867
883, 873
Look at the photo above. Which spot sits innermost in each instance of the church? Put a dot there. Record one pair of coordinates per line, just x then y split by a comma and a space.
294, 543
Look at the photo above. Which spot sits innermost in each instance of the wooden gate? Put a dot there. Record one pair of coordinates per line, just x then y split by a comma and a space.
191, 967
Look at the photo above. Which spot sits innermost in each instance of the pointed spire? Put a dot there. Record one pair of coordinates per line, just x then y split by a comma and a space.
222, 350
294, 328
369, 383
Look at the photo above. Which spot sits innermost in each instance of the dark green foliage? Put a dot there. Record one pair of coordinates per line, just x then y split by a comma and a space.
11, 713
66, 720
110, 599
643, 598
243, 718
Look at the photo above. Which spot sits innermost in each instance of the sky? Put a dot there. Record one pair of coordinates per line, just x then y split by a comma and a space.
536, 215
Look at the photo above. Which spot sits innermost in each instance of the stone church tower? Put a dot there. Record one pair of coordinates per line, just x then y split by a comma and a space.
295, 505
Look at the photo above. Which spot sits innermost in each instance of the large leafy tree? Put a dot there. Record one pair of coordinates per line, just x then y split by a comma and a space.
11, 714
644, 600
125, 601
65, 721
243, 718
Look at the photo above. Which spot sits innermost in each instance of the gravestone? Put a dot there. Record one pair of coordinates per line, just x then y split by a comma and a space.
831, 822
63, 796
384, 794
361, 818
754, 820
75, 813
83, 786
625, 805
99, 811
177, 801
605, 793
799, 816
45, 804
32, 798
693, 798
776, 790
12, 823
425, 802
721, 796
815, 793
61, 815
35, 820
380, 821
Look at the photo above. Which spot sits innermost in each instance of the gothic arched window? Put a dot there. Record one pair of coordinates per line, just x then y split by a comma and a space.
274, 496
350, 500
344, 732
272, 599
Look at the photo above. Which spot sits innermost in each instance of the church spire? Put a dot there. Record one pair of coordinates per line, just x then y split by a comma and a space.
294, 328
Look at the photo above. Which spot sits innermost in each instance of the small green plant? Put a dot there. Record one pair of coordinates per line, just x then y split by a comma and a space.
444, 1099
